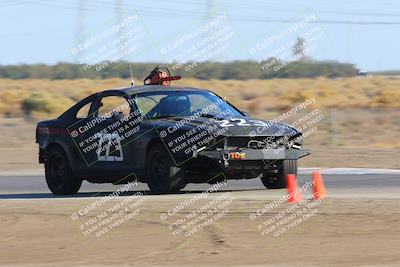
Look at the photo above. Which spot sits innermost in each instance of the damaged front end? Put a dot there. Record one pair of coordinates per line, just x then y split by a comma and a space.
244, 157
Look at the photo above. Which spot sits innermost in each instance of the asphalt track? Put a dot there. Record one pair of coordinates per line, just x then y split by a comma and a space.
340, 182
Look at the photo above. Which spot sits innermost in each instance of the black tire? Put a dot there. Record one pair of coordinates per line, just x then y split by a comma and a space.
275, 176
162, 174
59, 177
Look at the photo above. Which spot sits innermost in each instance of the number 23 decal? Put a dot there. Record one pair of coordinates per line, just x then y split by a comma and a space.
241, 122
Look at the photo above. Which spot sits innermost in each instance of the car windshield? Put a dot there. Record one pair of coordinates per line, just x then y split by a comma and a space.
164, 104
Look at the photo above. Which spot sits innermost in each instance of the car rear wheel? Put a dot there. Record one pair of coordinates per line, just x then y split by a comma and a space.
162, 174
275, 176
59, 176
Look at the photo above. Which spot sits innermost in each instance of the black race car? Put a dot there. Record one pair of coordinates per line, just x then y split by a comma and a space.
165, 136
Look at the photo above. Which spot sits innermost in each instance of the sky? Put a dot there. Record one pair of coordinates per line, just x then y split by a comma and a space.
363, 32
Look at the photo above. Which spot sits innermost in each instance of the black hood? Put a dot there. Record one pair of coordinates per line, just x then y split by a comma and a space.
243, 126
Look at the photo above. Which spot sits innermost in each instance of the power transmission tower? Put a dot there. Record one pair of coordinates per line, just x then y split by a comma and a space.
119, 14
80, 28
210, 10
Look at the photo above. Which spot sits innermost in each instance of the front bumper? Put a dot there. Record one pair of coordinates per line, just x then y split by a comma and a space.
254, 154
240, 163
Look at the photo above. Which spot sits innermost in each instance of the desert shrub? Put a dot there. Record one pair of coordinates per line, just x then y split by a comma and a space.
39, 103
388, 98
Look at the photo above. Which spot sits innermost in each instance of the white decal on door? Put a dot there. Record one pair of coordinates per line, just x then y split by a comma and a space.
109, 142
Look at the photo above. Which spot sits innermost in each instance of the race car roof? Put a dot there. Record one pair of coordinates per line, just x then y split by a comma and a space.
155, 88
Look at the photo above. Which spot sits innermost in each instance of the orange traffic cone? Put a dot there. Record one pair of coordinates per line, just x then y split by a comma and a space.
319, 186
293, 189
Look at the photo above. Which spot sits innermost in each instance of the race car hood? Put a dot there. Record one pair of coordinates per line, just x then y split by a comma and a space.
243, 126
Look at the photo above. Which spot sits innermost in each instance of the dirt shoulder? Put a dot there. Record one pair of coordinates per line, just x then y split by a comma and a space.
343, 232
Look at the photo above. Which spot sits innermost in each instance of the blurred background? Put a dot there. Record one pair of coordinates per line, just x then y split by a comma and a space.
265, 57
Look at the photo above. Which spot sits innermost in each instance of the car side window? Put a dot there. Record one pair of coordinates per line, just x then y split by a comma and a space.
113, 105
83, 112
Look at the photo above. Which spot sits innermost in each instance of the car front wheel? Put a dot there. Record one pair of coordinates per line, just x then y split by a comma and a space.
274, 177
162, 174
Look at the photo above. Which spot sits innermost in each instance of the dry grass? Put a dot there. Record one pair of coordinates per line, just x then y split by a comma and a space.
256, 96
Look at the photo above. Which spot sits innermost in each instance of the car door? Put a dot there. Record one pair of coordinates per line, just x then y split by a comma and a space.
114, 157
80, 142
